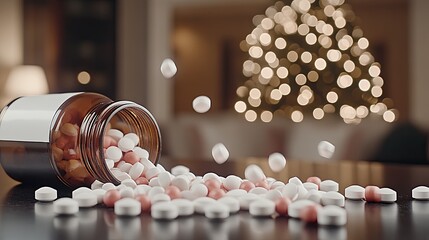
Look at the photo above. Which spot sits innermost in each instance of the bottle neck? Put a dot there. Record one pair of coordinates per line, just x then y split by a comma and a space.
125, 115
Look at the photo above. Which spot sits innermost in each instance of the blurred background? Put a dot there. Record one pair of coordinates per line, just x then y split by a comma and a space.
116, 48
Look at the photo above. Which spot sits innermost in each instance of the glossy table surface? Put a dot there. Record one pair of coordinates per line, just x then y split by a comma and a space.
21, 217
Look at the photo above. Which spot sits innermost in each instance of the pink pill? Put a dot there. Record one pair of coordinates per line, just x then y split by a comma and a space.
142, 181
309, 214
247, 185
131, 157
110, 197
282, 205
263, 184
109, 141
173, 192
372, 194
315, 180
216, 193
144, 202
212, 184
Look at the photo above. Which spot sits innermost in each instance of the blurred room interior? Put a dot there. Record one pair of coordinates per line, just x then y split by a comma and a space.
116, 48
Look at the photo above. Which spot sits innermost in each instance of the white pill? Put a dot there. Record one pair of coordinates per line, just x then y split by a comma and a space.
190, 176
147, 163
127, 207
315, 196
258, 190
302, 192
216, 210
187, 194
182, 182
125, 167
232, 203
115, 134
201, 104
295, 180
332, 215
161, 197
108, 186
133, 137
262, 208
136, 170
329, 185
126, 144
110, 163
155, 190
355, 192
290, 190
199, 190
247, 199
201, 203
420, 193
254, 173
294, 209
164, 210
185, 206
100, 194
122, 176
387, 195
179, 170
277, 184
220, 153
232, 182
86, 199
126, 192
141, 153
153, 182
309, 186
152, 172
96, 185
113, 153
210, 176
80, 190
273, 195
333, 198
326, 149
236, 193
276, 161
168, 68
45, 194
164, 179
142, 189
65, 206
160, 167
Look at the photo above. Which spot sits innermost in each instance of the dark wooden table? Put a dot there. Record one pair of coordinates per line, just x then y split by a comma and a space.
21, 217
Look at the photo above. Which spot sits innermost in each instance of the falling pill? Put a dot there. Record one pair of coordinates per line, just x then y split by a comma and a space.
168, 68
326, 149
220, 153
201, 104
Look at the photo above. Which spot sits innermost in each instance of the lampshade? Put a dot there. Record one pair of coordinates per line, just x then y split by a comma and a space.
25, 80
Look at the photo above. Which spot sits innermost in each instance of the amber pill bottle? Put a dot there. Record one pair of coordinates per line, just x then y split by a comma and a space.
57, 139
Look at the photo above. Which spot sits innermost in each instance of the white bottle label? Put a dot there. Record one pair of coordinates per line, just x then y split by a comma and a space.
29, 119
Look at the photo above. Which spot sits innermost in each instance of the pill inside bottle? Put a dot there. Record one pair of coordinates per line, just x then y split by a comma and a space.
60, 138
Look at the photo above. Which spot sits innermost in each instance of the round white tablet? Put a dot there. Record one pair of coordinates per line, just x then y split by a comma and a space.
262, 208
315, 196
126, 192
332, 215
258, 190
333, 198
164, 210
387, 195
199, 190
326, 149
220, 153
113, 153
254, 173
134, 137
184, 206
136, 170
290, 190
182, 182
96, 185
108, 186
273, 195
236, 193
80, 190
216, 210
142, 153
294, 209
86, 199
115, 134
127, 207
232, 182
65, 206
247, 199
162, 197
276, 161
45, 194
309, 186
164, 179
420, 193
129, 183
232, 203
355, 192
201, 104
179, 170
126, 144
100, 194
329, 185
201, 203
295, 180
168, 68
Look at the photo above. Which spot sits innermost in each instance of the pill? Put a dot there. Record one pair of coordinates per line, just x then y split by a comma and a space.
179, 170
162, 197
216, 210
45, 194
262, 208
136, 170
247, 185
387, 195
273, 195
232, 182
96, 185
262, 184
236, 193
210, 176
232, 203
131, 157
126, 144
154, 182
141, 152
220, 153
420, 193
168, 68
109, 163
355, 192
216, 193
111, 197
246, 199
187, 194
201, 104
161, 168
152, 172
309, 186
372, 194
201, 203
309, 214
147, 163
142, 190
331, 215
259, 190
315, 180
113, 153
294, 209
329, 185
86, 199
315, 196
277, 185
125, 167
164, 210
164, 179
173, 192
108, 186
333, 198
133, 137
282, 205
155, 190
115, 134
126, 192
127, 207
182, 182
326, 149
199, 190
145, 202
142, 181
302, 192
129, 183
122, 176
65, 206
254, 173
295, 180
276, 161
100, 194
80, 190
290, 190
184, 206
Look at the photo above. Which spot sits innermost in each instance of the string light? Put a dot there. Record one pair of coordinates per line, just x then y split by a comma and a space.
309, 57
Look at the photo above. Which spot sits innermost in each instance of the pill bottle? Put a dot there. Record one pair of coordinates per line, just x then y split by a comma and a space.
58, 138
